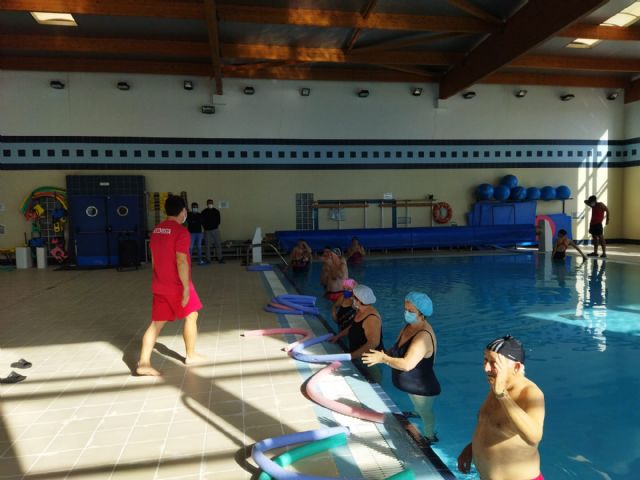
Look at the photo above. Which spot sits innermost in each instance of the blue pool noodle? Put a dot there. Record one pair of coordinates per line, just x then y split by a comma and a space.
303, 357
277, 471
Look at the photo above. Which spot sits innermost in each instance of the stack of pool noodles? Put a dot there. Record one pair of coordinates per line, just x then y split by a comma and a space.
316, 441
293, 305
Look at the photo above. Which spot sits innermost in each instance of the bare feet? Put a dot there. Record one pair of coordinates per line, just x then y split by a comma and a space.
147, 370
195, 359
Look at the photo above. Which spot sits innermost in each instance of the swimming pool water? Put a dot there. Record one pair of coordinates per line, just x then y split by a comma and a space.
580, 325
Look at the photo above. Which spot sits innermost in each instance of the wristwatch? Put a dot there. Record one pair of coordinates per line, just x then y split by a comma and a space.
501, 394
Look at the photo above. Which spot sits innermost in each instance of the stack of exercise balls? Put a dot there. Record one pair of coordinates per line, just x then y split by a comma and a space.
508, 189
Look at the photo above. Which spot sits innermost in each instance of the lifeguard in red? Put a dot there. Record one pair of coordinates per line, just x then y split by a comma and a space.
167, 239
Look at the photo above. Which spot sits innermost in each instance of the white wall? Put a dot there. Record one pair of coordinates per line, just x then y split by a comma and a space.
632, 120
158, 106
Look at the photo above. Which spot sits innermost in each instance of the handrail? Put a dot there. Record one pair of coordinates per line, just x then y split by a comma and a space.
273, 247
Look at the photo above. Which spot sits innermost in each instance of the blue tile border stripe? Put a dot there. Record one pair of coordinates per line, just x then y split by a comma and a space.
29, 153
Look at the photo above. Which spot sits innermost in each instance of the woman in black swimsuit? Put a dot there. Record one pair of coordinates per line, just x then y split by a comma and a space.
411, 359
365, 331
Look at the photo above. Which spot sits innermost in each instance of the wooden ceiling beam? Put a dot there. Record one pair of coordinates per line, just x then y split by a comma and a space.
214, 43
517, 78
419, 39
632, 92
335, 55
522, 32
62, 64
260, 15
600, 32
283, 72
55, 43
115, 8
366, 11
475, 11
367, 55
192, 10
600, 64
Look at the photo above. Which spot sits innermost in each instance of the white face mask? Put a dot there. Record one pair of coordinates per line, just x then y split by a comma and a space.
210, 205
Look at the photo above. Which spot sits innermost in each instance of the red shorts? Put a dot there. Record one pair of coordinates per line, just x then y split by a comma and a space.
168, 308
333, 296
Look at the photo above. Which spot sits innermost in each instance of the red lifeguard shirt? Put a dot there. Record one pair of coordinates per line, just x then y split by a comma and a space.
167, 239
597, 214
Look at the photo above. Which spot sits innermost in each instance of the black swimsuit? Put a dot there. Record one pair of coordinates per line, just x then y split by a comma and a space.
357, 337
421, 380
345, 316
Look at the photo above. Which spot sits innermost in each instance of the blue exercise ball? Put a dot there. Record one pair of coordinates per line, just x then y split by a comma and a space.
533, 193
548, 193
518, 194
563, 192
501, 192
484, 192
509, 181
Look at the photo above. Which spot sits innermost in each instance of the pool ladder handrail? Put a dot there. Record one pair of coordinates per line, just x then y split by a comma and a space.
263, 244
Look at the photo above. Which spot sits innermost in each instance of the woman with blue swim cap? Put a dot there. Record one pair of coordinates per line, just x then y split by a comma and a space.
411, 359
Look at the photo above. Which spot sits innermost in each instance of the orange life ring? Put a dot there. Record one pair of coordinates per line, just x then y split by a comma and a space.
438, 216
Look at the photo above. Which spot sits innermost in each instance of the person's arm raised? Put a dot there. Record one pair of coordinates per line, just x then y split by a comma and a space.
528, 418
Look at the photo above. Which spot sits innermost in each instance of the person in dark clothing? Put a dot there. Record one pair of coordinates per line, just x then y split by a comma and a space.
211, 224
599, 214
562, 243
411, 359
342, 311
194, 224
365, 331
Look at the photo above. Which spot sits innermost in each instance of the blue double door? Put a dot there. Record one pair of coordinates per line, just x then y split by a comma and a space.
100, 223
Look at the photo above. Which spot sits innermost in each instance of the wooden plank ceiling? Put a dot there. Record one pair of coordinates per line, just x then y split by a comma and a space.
456, 43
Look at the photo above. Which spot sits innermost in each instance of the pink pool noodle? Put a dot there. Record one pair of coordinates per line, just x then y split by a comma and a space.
316, 396
279, 331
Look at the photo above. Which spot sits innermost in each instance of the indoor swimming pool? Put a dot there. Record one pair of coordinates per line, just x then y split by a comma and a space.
580, 325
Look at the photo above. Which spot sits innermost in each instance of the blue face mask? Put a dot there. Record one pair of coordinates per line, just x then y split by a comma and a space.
347, 294
410, 317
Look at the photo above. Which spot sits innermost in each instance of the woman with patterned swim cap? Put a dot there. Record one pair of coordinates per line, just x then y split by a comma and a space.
365, 331
411, 359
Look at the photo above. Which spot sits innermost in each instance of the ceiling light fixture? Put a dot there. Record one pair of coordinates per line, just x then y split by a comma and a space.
363, 93
305, 92
249, 90
57, 84
123, 86
521, 93
187, 85
208, 109
469, 95
612, 96
416, 91
53, 18
567, 96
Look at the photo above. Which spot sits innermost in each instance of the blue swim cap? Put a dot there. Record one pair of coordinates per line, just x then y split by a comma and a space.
421, 301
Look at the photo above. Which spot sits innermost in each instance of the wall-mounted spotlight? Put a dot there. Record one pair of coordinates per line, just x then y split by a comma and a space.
521, 93
249, 90
416, 91
567, 96
208, 109
187, 85
612, 96
57, 84
363, 93
305, 92
469, 95
123, 86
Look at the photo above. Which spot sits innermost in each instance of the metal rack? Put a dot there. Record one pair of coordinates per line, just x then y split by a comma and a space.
381, 203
